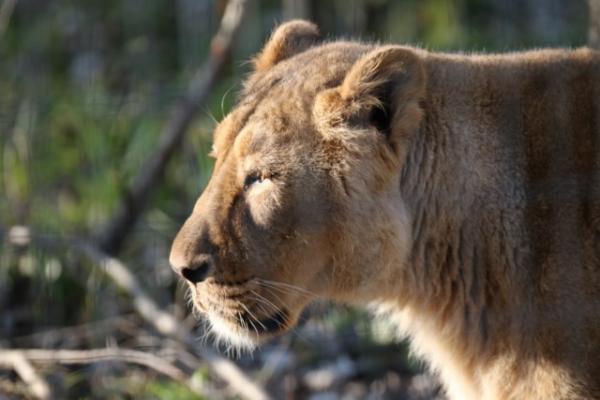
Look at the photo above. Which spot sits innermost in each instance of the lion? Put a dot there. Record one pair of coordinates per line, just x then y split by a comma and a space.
456, 194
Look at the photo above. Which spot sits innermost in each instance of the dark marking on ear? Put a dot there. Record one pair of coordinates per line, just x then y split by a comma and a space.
380, 115
382, 90
380, 120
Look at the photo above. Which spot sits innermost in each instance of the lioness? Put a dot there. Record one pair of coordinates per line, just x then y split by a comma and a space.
457, 194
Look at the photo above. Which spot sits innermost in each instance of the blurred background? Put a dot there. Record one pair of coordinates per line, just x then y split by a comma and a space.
94, 165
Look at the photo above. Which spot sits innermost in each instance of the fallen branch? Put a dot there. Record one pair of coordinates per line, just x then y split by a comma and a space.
98, 355
136, 195
17, 360
168, 325
148, 360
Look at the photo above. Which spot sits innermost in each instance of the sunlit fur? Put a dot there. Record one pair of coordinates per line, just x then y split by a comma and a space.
456, 195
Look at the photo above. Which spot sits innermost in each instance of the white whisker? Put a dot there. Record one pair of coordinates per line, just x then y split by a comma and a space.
253, 317
285, 286
276, 309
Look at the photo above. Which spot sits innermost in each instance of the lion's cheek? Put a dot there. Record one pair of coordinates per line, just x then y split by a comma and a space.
263, 200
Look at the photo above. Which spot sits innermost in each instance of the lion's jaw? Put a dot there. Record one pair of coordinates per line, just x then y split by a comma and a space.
245, 315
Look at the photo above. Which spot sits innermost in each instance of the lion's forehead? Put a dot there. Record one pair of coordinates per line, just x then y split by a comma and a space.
271, 128
274, 109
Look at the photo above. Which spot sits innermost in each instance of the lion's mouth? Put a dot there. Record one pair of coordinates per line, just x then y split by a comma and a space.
243, 310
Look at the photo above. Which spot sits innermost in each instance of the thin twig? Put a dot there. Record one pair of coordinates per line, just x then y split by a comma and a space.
17, 360
137, 194
99, 355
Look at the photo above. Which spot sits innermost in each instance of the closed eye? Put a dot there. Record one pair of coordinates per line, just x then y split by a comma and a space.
251, 179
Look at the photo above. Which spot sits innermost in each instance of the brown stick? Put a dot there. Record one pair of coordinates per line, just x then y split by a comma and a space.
159, 364
17, 360
136, 195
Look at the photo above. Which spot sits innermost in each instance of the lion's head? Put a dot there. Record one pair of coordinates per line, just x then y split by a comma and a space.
304, 199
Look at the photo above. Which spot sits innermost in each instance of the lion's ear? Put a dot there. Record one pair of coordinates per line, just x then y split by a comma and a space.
287, 39
382, 90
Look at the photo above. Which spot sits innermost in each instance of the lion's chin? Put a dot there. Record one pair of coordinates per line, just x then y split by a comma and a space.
248, 332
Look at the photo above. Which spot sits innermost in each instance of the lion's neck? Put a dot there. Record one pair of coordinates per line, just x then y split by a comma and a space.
456, 308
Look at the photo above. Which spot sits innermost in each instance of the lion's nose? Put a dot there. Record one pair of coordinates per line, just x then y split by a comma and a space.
193, 252
195, 271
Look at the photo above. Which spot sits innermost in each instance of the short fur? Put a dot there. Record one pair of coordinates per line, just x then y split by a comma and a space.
458, 194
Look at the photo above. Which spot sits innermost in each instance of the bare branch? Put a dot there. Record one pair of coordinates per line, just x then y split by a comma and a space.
159, 364
17, 360
97, 355
137, 194
169, 326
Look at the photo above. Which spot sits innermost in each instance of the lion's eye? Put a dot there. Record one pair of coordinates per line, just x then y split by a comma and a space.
252, 179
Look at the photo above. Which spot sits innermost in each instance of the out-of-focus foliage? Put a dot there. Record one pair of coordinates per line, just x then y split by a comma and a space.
85, 87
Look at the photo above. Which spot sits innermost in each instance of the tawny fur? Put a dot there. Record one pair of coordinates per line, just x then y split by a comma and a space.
457, 194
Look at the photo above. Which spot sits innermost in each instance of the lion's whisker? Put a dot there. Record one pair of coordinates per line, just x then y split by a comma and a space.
263, 308
284, 286
266, 301
281, 290
253, 317
288, 286
276, 309
271, 291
